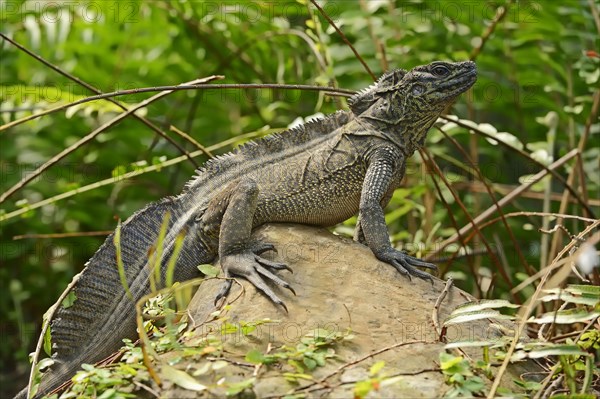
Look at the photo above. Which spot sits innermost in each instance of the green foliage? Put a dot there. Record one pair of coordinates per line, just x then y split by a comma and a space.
313, 350
537, 78
572, 360
460, 376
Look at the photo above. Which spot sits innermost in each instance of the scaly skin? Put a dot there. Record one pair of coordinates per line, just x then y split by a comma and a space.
319, 174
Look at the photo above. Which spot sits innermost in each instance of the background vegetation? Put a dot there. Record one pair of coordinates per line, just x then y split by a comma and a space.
537, 95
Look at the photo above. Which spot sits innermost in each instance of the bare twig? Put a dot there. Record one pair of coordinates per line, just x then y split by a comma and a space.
90, 137
344, 38
192, 140
112, 180
573, 174
95, 90
362, 359
547, 168
494, 200
472, 221
505, 200
435, 317
500, 14
527, 308
328, 90
63, 235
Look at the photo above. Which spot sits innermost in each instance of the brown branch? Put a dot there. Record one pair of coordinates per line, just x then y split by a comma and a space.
573, 174
505, 200
504, 189
344, 38
329, 90
63, 235
192, 140
90, 137
556, 175
494, 200
435, 317
95, 90
527, 308
362, 359
472, 224
500, 14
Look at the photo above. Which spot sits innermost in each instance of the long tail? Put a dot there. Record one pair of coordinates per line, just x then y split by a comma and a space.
102, 314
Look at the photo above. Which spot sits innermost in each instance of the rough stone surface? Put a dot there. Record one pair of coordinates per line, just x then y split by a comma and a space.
340, 285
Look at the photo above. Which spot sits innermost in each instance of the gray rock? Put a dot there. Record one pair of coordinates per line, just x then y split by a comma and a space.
341, 285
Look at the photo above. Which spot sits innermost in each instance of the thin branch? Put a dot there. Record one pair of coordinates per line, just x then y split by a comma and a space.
594, 10
505, 200
113, 180
494, 200
527, 309
500, 14
472, 224
329, 90
90, 137
63, 235
573, 174
435, 317
95, 90
344, 38
192, 140
548, 169
362, 359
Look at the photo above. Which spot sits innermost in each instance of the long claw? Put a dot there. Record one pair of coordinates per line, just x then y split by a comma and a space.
264, 288
224, 291
273, 265
266, 273
406, 264
419, 263
249, 265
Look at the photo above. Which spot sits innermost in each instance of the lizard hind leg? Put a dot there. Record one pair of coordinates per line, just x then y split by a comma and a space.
239, 256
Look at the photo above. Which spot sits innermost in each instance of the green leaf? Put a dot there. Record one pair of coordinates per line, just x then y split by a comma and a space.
209, 270
477, 315
181, 378
69, 300
474, 384
362, 388
483, 304
554, 350
234, 389
294, 377
454, 365
569, 316
376, 368
311, 364
255, 356
48, 342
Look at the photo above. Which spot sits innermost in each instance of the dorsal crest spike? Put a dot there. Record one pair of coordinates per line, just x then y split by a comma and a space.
273, 143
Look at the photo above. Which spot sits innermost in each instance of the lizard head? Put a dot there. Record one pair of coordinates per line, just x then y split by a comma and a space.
411, 105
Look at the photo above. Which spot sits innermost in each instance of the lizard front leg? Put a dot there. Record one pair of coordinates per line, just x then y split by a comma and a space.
234, 208
379, 177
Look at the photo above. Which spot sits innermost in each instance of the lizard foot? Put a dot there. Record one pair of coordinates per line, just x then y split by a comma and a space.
407, 265
255, 269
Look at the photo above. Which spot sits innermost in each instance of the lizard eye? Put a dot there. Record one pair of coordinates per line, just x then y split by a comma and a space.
417, 90
440, 70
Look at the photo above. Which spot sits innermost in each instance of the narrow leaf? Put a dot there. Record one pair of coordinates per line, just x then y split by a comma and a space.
181, 378
209, 270
120, 265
